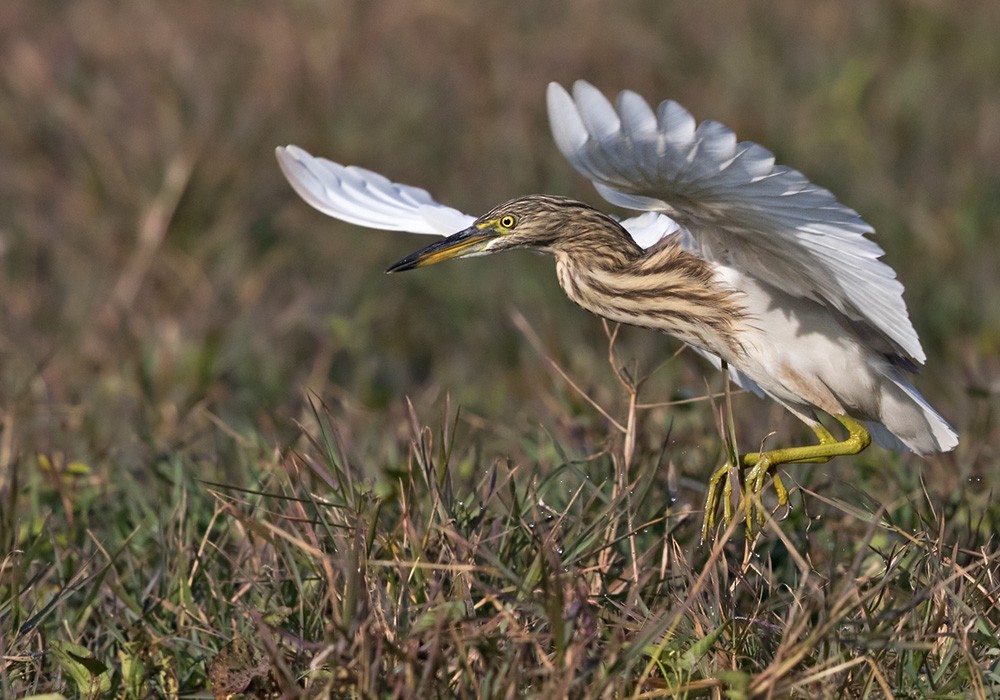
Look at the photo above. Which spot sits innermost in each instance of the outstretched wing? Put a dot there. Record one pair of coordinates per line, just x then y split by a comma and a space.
365, 198
737, 206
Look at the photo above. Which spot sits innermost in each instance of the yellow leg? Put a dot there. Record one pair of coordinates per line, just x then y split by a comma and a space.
755, 467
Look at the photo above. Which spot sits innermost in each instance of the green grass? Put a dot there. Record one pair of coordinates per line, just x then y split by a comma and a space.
236, 459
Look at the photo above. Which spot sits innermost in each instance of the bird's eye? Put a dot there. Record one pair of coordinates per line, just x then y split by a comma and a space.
507, 221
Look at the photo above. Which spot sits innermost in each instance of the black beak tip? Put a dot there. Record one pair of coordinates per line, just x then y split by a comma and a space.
407, 263
400, 266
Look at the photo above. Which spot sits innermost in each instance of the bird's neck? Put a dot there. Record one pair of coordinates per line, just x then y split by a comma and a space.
665, 288
594, 239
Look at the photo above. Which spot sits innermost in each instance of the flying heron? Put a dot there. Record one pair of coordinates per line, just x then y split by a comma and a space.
749, 263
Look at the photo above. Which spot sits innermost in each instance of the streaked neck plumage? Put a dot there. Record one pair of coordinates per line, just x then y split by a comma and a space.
665, 288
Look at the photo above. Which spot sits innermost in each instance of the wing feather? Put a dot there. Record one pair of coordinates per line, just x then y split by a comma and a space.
365, 198
735, 205
362, 197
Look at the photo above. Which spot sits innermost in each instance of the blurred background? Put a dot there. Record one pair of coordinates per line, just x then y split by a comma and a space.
163, 288
173, 317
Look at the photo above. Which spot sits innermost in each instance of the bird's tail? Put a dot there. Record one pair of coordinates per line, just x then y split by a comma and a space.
908, 421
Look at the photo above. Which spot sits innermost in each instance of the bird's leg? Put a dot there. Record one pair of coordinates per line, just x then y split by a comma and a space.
755, 484
722, 475
760, 464
756, 466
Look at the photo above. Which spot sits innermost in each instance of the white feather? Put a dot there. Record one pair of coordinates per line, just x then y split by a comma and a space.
739, 208
365, 198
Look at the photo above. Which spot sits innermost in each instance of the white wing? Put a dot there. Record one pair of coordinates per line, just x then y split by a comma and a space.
737, 206
365, 198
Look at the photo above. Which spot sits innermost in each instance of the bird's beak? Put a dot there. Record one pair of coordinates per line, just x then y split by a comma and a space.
471, 241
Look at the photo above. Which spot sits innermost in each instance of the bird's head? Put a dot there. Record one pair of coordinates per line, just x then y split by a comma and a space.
541, 222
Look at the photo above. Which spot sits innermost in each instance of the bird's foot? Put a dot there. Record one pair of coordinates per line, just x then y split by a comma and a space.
755, 480
753, 472
720, 479
755, 467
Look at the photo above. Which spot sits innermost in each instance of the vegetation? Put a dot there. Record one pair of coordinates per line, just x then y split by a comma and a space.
235, 459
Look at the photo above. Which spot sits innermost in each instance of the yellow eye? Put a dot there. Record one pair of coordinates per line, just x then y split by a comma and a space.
507, 221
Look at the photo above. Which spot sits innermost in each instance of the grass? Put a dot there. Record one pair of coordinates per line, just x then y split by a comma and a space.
235, 459
444, 573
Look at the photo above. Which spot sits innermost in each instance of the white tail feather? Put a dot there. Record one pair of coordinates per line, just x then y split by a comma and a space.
908, 420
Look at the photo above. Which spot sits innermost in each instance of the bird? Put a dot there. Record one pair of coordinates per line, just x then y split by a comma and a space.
765, 274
